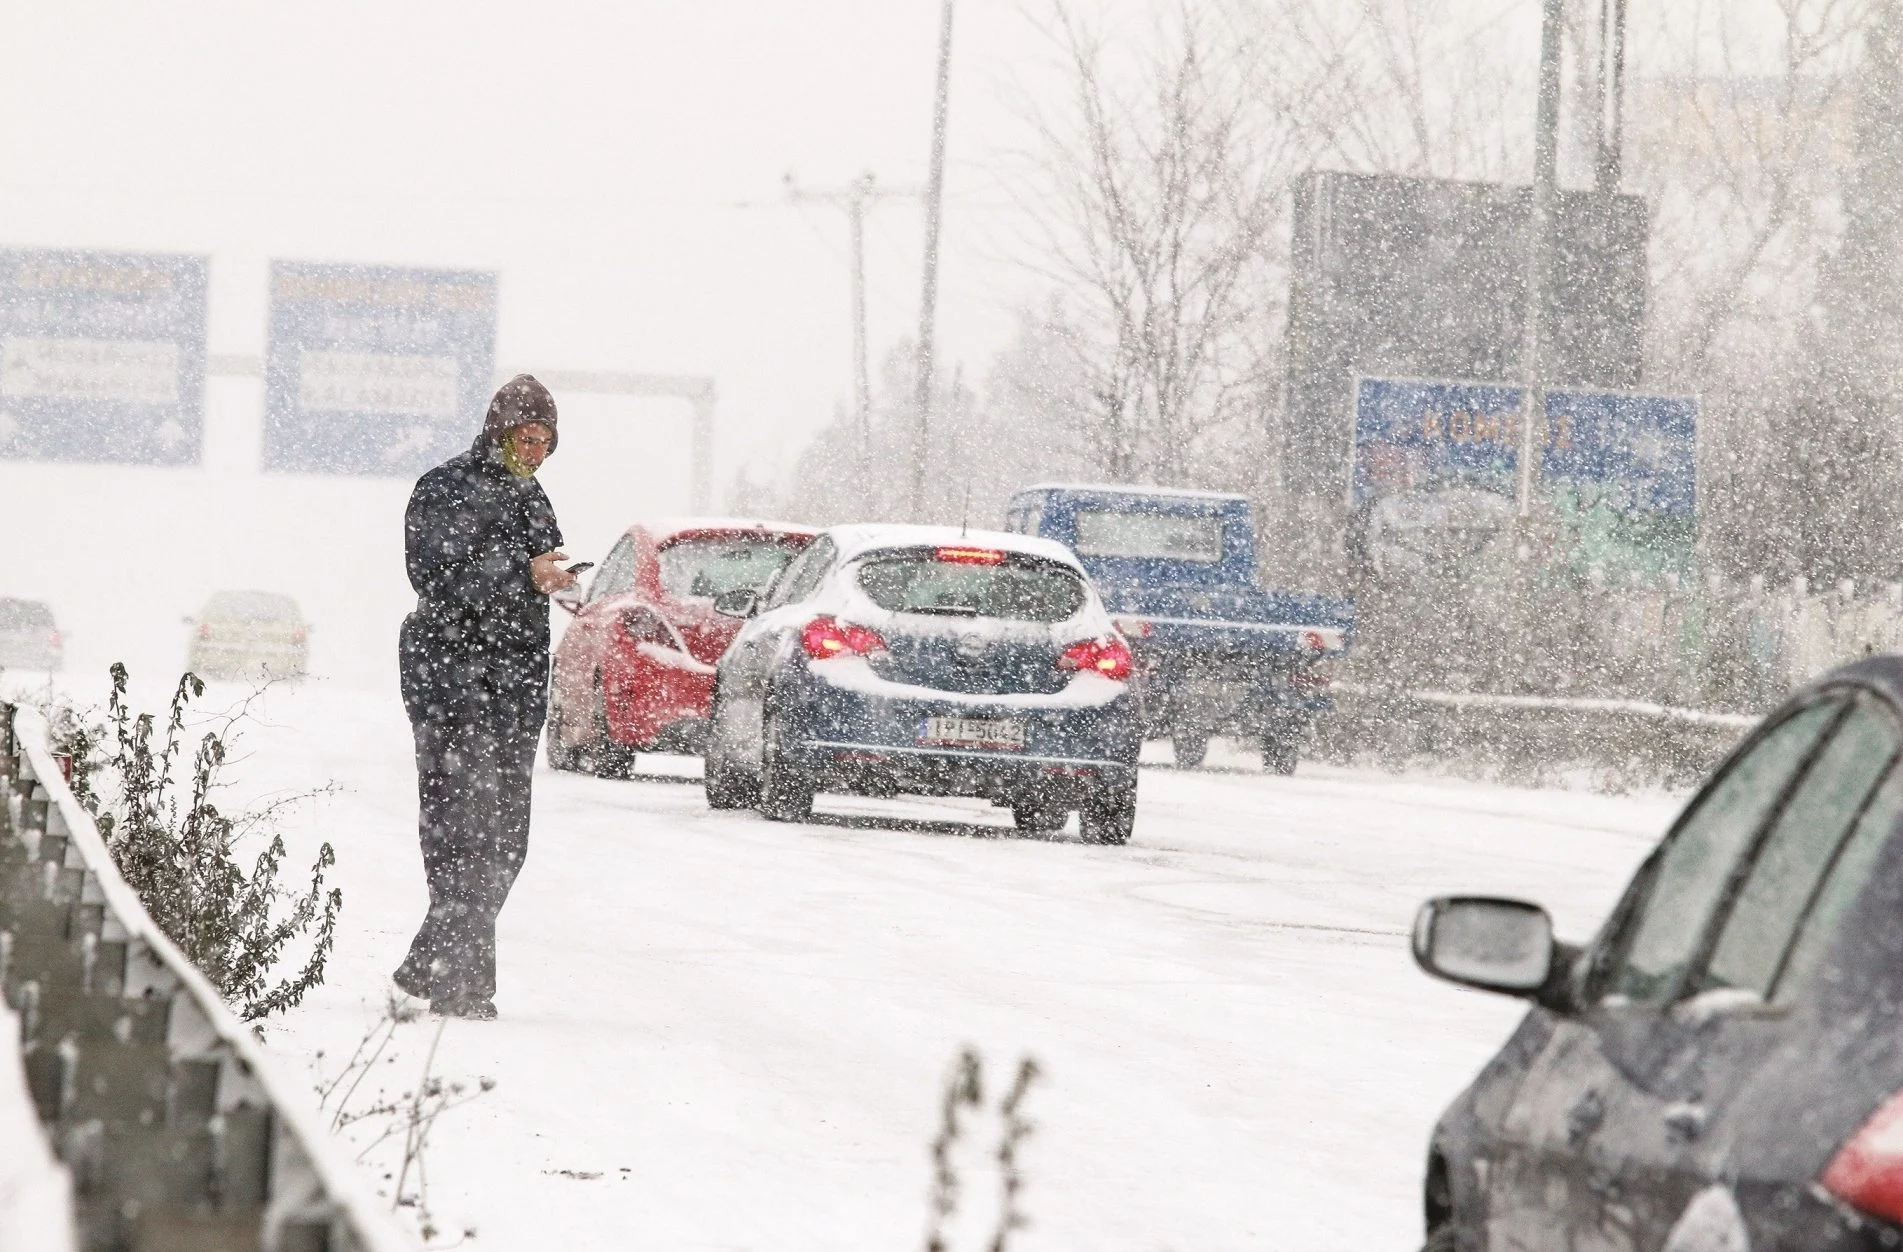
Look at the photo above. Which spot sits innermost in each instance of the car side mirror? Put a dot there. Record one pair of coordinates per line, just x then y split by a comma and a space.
1486, 942
569, 600
741, 602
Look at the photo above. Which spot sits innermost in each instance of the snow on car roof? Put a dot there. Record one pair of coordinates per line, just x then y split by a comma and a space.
858, 538
1133, 489
662, 527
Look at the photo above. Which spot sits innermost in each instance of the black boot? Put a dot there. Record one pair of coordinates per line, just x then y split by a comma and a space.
471, 1007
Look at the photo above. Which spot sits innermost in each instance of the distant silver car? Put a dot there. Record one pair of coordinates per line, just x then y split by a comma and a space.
249, 634
28, 637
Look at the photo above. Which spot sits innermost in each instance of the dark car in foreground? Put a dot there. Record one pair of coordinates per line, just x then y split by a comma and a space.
928, 660
1721, 1068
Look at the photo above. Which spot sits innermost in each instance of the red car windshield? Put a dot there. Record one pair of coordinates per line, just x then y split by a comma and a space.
711, 565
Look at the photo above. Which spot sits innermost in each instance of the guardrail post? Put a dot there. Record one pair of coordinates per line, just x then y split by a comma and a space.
150, 1090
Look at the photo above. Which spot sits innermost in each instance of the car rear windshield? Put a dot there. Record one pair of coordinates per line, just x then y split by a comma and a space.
1152, 536
25, 615
711, 566
1022, 589
257, 606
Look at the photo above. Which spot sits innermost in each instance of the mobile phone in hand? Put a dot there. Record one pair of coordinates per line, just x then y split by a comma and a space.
580, 566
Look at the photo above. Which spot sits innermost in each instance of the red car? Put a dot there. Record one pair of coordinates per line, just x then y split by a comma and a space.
635, 670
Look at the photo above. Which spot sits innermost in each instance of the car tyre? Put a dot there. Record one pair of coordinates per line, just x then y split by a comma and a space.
1109, 817
606, 758
786, 792
1039, 819
1189, 747
1443, 1238
727, 785
554, 735
1279, 755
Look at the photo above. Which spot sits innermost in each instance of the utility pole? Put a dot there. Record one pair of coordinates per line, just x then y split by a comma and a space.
857, 198
1539, 248
1610, 123
928, 302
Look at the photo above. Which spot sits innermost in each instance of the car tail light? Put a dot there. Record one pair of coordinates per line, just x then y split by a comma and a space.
1109, 657
53, 639
1321, 641
1867, 1172
299, 635
827, 637
971, 556
1309, 678
204, 630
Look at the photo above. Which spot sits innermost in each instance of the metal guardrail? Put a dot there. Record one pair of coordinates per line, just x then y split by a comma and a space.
1559, 704
1531, 739
172, 1127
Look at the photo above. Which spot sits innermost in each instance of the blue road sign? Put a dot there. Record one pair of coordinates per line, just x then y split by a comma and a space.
375, 370
1630, 453
102, 357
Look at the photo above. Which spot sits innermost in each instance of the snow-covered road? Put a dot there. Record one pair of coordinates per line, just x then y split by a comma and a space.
718, 1032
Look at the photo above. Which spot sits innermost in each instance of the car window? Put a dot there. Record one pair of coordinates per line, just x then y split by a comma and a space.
799, 579
25, 615
1016, 588
711, 565
1798, 848
1156, 536
616, 574
1685, 880
1843, 882
258, 606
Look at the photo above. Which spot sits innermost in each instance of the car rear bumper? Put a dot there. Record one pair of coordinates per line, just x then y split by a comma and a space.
855, 741
878, 769
215, 657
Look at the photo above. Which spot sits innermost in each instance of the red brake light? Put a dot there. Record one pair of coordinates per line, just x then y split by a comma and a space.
827, 637
1109, 657
53, 639
1321, 641
1867, 1172
298, 635
971, 556
204, 630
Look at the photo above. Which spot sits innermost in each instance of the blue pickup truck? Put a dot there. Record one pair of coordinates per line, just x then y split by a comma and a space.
1216, 653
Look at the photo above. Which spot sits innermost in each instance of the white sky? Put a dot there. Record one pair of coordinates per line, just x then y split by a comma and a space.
619, 164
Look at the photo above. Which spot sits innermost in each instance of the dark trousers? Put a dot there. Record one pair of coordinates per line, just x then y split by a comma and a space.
473, 819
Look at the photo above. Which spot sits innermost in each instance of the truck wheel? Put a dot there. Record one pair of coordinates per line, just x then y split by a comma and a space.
786, 793
1279, 755
1110, 816
607, 759
726, 784
1039, 819
1189, 747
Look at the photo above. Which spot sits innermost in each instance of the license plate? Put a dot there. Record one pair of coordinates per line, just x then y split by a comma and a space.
972, 732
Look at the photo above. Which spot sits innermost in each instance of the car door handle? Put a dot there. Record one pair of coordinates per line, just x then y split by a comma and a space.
1585, 1117
1684, 1122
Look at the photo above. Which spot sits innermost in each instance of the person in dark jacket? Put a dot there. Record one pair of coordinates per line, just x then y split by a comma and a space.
481, 543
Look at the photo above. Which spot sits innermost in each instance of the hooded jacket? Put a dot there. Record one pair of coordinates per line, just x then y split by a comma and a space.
477, 646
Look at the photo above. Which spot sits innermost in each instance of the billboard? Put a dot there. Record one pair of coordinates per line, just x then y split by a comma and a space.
375, 370
1631, 454
1426, 278
1619, 470
102, 357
